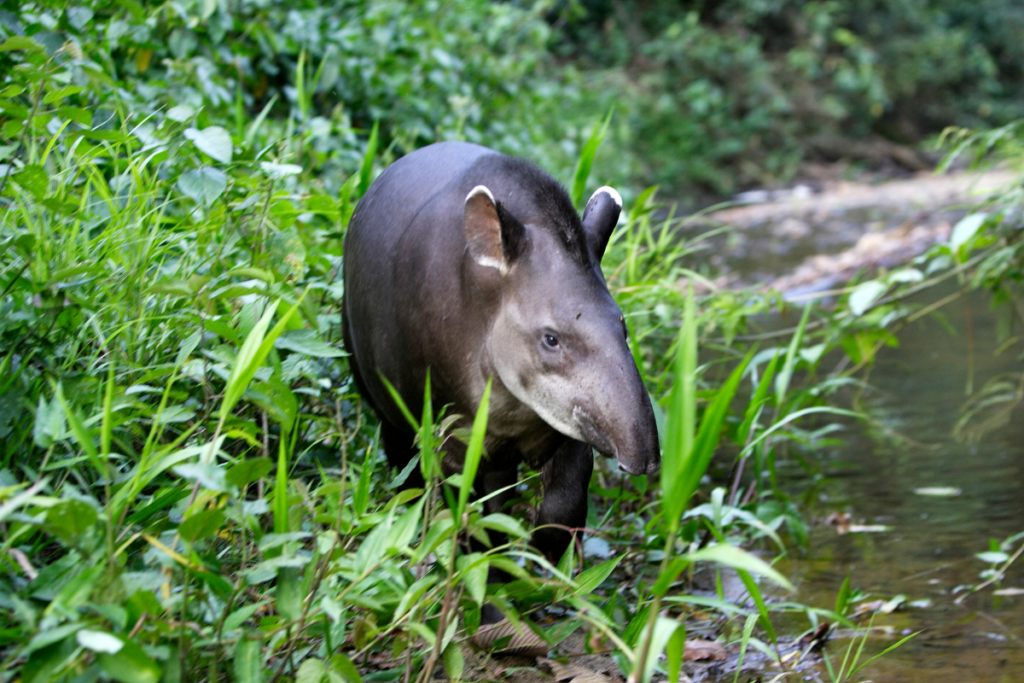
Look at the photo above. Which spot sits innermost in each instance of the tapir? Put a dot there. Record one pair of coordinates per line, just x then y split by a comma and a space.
473, 265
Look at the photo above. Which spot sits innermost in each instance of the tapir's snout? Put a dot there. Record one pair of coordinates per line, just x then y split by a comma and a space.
623, 428
641, 453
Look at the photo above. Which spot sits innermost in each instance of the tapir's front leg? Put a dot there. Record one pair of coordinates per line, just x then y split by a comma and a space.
566, 480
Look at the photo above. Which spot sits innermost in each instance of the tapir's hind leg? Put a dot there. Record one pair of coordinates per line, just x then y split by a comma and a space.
566, 480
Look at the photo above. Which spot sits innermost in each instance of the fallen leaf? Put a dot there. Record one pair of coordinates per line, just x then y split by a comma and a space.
699, 650
572, 672
938, 491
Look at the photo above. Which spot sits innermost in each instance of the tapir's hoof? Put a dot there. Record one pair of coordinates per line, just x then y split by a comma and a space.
523, 641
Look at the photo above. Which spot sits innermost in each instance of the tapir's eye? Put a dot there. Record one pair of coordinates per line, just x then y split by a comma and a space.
551, 341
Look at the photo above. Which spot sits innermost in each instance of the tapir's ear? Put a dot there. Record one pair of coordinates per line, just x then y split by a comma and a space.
600, 217
494, 237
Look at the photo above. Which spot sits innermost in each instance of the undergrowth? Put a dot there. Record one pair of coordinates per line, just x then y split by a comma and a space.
190, 486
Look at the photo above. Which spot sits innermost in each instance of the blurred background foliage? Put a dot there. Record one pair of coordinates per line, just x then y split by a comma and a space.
710, 97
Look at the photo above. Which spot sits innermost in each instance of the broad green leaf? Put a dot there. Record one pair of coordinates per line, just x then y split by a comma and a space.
50, 424
79, 17
734, 557
277, 398
70, 518
594, 576
505, 524
209, 476
271, 541
248, 663
311, 670
411, 597
241, 615
181, 113
129, 665
19, 43
33, 178
992, 556
965, 229
309, 343
473, 568
214, 141
202, 524
248, 471
288, 595
906, 275
405, 527
279, 171
454, 663
343, 665
373, 547
60, 93
865, 295
204, 185
44, 639
635, 628
43, 663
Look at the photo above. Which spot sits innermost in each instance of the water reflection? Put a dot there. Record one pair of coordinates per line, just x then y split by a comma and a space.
918, 391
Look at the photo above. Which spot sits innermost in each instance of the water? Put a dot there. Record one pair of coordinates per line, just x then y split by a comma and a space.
918, 392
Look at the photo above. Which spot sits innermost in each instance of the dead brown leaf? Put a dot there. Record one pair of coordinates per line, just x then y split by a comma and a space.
700, 650
572, 672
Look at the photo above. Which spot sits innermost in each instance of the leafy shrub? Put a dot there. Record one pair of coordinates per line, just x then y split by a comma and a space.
726, 94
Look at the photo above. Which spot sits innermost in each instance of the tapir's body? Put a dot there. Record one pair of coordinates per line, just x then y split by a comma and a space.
474, 265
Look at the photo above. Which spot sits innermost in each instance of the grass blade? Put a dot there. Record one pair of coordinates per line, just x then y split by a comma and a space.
254, 351
586, 160
679, 436
474, 451
709, 434
782, 381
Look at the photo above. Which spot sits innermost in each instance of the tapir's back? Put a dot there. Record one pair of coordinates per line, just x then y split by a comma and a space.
379, 281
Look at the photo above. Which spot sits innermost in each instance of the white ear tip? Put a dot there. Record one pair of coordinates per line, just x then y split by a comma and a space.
610, 191
480, 189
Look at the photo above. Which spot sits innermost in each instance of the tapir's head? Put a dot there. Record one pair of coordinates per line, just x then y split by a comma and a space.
558, 341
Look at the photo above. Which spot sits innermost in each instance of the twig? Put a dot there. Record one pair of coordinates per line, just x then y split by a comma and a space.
23, 562
996, 577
